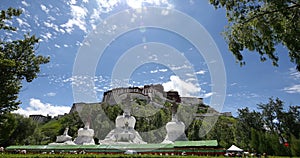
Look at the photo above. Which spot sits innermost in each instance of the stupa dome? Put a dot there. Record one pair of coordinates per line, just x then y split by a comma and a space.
124, 119
177, 127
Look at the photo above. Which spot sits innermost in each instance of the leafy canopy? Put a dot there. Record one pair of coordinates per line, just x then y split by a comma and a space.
260, 25
270, 129
18, 61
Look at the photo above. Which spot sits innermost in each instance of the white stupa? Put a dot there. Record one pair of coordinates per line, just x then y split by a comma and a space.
85, 136
124, 133
125, 120
175, 131
64, 139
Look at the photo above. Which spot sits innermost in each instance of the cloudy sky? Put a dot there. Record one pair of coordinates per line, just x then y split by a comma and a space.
148, 46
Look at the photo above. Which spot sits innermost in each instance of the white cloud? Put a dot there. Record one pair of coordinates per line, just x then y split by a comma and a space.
107, 6
191, 79
51, 25
37, 107
138, 4
22, 22
185, 89
200, 72
36, 20
44, 8
52, 18
176, 67
62, 31
73, 2
163, 70
206, 95
158, 70
95, 17
78, 19
153, 57
134, 4
233, 84
295, 88
84, 81
153, 71
47, 36
25, 3
294, 73
50, 94
164, 12
292, 89
189, 74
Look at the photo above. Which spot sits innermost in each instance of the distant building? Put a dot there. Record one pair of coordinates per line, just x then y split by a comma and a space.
192, 101
59, 116
157, 93
73, 108
148, 90
40, 118
228, 114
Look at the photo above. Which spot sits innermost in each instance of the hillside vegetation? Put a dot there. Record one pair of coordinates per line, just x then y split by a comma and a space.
270, 129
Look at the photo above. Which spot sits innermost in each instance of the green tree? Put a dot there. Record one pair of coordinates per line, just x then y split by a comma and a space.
246, 121
15, 129
273, 114
51, 129
7, 126
193, 130
254, 139
18, 61
249, 119
291, 121
223, 131
71, 121
37, 137
261, 25
295, 146
270, 129
25, 127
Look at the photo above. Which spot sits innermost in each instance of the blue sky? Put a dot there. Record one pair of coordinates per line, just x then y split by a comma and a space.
63, 26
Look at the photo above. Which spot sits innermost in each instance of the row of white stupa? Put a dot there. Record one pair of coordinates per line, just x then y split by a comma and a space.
124, 132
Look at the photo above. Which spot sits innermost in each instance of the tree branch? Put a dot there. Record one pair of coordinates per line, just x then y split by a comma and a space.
269, 12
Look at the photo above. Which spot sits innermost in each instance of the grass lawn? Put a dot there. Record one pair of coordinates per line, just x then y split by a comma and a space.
100, 155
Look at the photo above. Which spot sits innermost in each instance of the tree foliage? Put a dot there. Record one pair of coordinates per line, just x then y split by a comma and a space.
272, 130
18, 62
15, 129
224, 131
260, 25
273, 114
7, 126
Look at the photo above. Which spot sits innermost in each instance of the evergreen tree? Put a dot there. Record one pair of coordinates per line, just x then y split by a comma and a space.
18, 62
